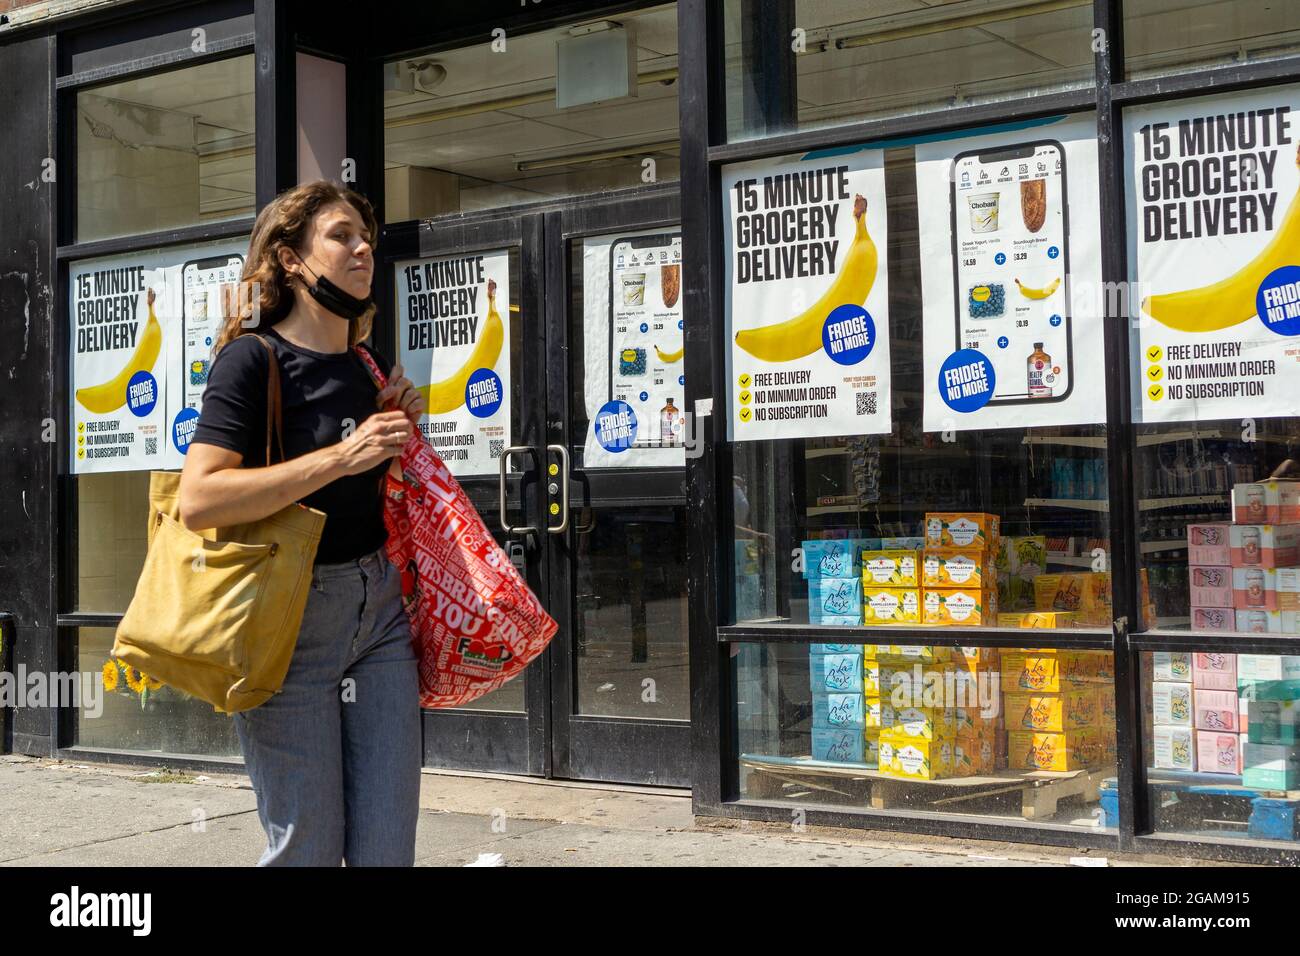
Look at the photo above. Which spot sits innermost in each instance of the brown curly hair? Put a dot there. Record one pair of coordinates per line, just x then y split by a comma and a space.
285, 222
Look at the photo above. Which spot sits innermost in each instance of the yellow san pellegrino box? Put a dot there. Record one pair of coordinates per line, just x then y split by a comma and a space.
898, 568
958, 606
913, 758
891, 606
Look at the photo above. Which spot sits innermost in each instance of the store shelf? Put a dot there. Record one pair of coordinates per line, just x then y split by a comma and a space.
1152, 547
1144, 504
1081, 504
1143, 441
1173, 621
1070, 560
1074, 441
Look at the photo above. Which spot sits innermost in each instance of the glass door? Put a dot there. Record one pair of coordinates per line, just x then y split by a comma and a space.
467, 296
620, 703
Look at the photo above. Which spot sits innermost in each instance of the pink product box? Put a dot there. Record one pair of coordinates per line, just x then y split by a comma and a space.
1213, 619
1214, 672
1215, 710
1210, 586
1266, 502
1208, 544
1254, 588
1264, 545
1218, 752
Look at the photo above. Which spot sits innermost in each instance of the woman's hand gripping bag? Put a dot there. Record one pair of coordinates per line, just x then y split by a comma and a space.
474, 621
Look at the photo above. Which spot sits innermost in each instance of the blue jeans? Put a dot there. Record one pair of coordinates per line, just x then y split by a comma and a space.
335, 756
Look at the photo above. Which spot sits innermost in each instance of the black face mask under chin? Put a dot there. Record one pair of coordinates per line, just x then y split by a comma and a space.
335, 300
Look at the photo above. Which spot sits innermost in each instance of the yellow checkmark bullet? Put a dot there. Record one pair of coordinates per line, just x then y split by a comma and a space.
81, 453
1156, 392
745, 380
1154, 353
1155, 373
745, 397
746, 414
81, 426
81, 439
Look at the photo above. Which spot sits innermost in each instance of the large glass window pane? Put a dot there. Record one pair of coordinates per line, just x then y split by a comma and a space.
1016, 734
1165, 36
1214, 349
1041, 555
139, 713
483, 126
111, 541
1221, 739
812, 63
166, 150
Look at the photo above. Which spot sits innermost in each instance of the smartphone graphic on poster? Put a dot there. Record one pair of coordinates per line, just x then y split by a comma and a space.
646, 340
1011, 267
202, 313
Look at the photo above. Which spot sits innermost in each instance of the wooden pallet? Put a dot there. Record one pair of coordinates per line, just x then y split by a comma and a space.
1040, 790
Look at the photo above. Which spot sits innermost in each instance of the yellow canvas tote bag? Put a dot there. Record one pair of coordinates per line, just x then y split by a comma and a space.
216, 614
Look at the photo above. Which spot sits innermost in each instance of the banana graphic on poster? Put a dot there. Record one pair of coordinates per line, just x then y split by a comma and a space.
802, 335
670, 357
1043, 293
1230, 301
111, 395
449, 394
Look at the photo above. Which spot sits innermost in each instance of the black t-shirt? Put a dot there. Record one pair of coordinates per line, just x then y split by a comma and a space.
319, 391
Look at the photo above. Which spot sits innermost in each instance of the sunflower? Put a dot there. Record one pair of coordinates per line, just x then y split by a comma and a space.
111, 675
134, 680
150, 683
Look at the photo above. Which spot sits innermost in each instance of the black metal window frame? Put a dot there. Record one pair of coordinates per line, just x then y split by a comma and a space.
705, 151
270, 45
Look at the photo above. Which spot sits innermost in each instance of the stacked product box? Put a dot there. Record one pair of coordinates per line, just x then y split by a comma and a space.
838, 704
1269, 687
1239, 572
918, 722
891, 586
1056, 715
958, 569
1019, 560
833, 569
980, 741
1216, 713
1174, 736
1083, 594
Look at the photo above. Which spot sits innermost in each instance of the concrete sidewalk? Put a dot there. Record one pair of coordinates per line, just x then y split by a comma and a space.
57, 813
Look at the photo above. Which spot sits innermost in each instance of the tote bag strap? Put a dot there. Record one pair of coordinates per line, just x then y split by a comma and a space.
372, 367
274, 422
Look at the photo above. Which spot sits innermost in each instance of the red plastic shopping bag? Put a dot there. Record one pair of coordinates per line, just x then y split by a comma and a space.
474, 621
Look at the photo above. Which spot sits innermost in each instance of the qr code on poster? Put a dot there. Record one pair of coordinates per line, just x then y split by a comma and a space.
495, 447
866, 403
151, 446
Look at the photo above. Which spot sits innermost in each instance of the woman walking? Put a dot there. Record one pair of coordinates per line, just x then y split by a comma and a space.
334, 756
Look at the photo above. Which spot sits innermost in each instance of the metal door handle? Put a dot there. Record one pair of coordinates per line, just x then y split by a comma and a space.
504, 463
563, 452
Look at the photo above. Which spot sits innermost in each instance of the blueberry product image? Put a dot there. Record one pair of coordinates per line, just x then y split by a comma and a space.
986, 301
631, 362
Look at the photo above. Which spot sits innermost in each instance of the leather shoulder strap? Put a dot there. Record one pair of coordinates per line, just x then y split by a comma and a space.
274, 421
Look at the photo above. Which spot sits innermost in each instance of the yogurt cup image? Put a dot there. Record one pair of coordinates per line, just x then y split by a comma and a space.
634, 288
983, 212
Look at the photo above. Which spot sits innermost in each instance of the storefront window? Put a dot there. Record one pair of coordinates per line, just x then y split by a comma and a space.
564, 112
837, 61
112, 522
1016, 734
1221, 734
940, 514
139, 713
166, 150
1213, 217
1164, 36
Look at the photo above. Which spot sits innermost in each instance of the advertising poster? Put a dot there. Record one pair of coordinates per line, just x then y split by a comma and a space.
454, 326
633, 350
1010, 275
143, 327
1214, 233
807, 296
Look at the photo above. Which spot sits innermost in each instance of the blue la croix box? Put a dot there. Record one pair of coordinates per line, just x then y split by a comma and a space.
835, 672
839, 710
836, 744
